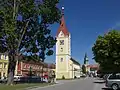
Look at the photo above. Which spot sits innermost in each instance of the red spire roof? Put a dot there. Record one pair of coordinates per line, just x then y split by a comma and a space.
63, 27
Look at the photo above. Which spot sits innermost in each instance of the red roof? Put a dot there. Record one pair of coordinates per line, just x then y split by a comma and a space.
63, 27
51, 66
93, 66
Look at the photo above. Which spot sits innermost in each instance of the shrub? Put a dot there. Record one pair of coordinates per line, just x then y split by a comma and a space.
63, 77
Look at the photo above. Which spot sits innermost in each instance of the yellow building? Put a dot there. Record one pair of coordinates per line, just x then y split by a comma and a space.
3, 64
66, 67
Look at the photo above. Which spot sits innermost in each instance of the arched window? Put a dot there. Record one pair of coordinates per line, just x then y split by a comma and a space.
5, 57
61, 59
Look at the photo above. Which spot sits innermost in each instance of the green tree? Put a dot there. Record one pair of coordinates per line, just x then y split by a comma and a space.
83, 69
106, 51
24, 29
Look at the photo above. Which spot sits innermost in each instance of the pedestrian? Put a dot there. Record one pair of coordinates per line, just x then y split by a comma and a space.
54, 77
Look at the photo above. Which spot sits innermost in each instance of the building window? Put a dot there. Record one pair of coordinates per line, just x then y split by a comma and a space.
0, 56
61, 59
61, 42
4, 75
0, 65
5, 57
5, 65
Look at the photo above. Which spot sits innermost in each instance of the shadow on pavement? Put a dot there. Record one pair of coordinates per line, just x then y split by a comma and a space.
99, 79
99, 82
106, 89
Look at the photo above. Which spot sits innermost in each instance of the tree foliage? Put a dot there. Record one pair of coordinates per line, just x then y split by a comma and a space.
24, 28
84, 69
106, 51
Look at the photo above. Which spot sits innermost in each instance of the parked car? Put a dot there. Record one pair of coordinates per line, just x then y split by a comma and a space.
27, 79
78, 76
83, 75
113, 81
17, 78
105, 76
44, 78
3, 80
100, 75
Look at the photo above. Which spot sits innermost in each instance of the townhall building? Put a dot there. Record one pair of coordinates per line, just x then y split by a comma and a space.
66, 66
23, 67
3, 64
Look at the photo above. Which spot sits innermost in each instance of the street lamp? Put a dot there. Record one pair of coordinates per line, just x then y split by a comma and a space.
30, 71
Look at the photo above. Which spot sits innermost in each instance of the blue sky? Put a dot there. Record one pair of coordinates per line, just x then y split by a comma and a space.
85, 20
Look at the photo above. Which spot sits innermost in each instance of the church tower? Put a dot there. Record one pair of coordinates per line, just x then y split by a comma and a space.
86, 62
86, 59
63, 50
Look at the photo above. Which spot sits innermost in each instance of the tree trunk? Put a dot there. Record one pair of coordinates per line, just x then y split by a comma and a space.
11, 69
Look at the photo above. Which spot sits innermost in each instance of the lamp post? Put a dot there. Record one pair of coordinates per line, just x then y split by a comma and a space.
30, 70
30, 73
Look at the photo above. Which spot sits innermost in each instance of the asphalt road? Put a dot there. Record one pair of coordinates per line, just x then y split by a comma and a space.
79, 84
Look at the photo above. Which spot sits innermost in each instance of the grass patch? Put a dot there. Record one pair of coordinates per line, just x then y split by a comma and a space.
23, 86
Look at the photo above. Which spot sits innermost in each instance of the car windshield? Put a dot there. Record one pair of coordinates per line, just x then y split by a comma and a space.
114, 76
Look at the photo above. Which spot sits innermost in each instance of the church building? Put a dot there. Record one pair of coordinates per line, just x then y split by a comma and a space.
66, 66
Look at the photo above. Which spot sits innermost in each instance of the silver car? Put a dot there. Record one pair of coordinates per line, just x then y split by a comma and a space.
113, 81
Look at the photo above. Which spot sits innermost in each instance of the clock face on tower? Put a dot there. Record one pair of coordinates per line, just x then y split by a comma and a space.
61, 42
61, 50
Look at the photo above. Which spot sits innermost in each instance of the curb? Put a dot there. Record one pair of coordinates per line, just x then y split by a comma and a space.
57, 83
38, 87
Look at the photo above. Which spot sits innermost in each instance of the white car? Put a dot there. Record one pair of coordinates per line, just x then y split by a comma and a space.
17, 78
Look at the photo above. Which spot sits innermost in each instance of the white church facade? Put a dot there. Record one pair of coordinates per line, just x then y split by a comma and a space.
66, 66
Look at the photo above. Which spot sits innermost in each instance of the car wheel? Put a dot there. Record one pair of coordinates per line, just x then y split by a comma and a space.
115, 87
